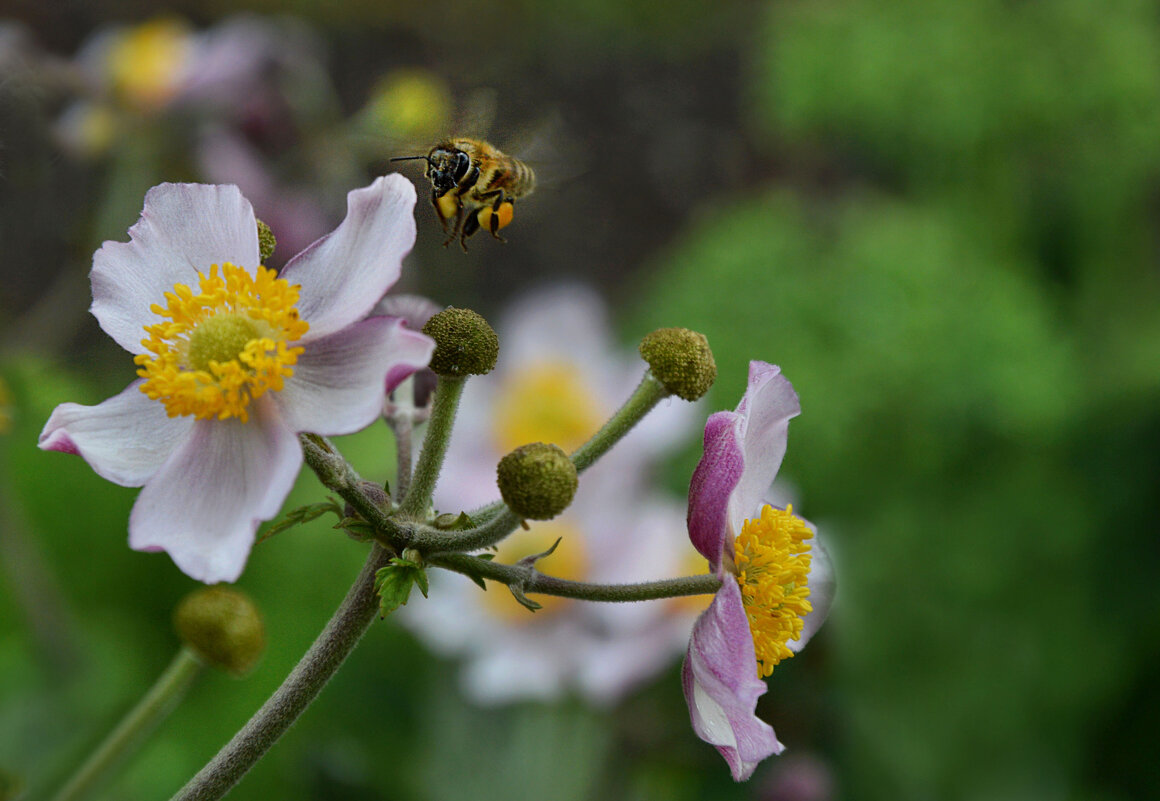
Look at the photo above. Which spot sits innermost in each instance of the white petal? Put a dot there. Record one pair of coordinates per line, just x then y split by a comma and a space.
339, 382
767, 407
823, 585
184, 228
345, 273
125, 439
205, 503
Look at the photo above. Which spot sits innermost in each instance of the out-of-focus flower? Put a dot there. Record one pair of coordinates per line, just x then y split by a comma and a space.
239, 71
407, 106
776, 589
235, 361
557, 380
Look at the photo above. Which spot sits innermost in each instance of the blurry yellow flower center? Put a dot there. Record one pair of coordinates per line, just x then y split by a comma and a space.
217, 350
568, 561
146, 62
771, 563
545, 402
413, 104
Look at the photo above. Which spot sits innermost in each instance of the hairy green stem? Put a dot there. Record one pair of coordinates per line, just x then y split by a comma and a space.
444, 404
491, 532
130, 733
301, 687
530, 580
337, 475
647, 394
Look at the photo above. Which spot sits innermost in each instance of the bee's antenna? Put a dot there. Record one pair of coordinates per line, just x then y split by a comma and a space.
406, 158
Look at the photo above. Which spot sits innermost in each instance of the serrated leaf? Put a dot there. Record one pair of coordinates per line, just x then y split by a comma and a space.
393, 583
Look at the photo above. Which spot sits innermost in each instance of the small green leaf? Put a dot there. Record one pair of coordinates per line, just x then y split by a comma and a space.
303, 514
393, 583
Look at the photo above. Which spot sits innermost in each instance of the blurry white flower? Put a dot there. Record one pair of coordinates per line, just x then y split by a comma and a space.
558, 379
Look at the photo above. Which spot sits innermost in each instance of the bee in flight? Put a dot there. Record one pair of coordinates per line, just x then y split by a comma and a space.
474, 186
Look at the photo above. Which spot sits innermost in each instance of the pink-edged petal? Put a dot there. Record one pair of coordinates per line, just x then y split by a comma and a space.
338, 383
714, 480
766, 409
205, 503
823, 585
125, 439
345, 273
184, 228
722, 688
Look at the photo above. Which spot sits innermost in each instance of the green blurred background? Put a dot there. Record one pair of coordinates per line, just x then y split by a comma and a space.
940, 219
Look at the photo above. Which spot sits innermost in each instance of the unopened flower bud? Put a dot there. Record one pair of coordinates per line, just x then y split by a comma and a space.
464, 343
223, 627
681, 360
375, 493
537, 481
266, 242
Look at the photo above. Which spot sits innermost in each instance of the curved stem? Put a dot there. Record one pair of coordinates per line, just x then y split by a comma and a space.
529, 580
647, 394
310, 675
129, 734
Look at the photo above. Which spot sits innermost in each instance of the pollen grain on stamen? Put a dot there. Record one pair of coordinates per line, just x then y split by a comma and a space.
219, 348
772, 565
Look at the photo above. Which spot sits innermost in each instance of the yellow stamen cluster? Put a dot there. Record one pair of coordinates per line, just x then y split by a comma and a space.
772, 562
224, 346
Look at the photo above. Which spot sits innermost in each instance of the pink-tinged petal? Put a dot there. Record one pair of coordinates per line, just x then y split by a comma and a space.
184, 228
345, 273
338, 383
823, 585
125, 439
766, 409
721, 685
713, 483
205, 503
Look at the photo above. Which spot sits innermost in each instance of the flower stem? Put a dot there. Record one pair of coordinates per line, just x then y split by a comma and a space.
491, 532
647, 394
301, 687
531, 581
448, 391
129, 734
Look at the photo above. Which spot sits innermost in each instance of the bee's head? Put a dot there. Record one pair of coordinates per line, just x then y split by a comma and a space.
446, 167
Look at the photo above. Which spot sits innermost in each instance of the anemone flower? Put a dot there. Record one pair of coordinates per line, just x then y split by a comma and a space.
776, 589
235, 360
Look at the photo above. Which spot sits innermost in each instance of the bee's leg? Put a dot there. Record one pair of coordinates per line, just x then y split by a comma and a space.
448, 207
496, 214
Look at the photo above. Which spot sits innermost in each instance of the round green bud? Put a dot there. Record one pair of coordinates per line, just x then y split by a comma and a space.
681, 360
537, 481
266, 242
223, 627
464, 343
375, 493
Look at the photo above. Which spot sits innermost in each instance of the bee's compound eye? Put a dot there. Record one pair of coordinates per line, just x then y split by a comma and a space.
462, 163
505, 213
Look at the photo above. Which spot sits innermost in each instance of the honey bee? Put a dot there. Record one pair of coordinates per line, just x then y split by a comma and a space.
474, 186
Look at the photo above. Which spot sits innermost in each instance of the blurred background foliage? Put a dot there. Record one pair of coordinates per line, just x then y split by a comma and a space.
940, 219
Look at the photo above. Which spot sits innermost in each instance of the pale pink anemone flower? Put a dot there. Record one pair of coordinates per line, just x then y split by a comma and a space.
214, 445
730, 526
559, 376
